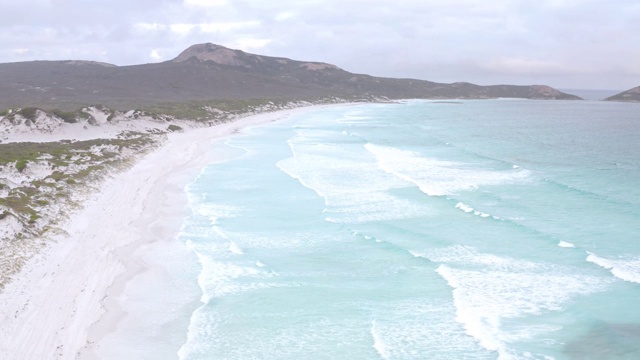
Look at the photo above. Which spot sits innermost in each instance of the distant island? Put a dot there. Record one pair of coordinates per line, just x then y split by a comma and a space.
209, 73
631, 95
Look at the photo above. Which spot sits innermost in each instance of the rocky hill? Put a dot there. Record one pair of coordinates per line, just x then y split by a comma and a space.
631, 95
209, 71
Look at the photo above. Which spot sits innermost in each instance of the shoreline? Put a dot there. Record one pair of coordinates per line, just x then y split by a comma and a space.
69, 296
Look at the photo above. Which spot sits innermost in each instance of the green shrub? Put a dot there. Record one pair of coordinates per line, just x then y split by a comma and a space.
21, 164
29, 113
66, 116
33, 217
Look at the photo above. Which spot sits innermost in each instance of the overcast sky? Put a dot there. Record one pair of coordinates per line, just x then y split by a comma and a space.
580, 44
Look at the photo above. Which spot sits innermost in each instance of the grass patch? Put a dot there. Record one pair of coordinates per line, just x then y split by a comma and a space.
64, 150
22, 201
33, 217
189, 110
21, 164
69, 116
29, 113
197, 110
19, 205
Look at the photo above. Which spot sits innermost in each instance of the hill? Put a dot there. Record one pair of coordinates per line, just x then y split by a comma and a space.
631, 95
209, 71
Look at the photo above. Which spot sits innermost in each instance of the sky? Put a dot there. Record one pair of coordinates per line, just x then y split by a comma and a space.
567, 44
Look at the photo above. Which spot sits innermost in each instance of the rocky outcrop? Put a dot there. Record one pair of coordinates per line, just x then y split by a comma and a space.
211, 52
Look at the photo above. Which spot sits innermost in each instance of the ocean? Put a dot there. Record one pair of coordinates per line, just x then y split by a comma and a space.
471, 229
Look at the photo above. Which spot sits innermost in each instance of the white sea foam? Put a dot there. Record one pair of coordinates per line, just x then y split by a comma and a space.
464, 207
214, 212
436, 177
565, 244
234, 248
361, 207
197, 326
422, 329
378, 342
220, 278
468, 209
483, 298
314, 136
353, 117
624, 269
488, 289
354, 189
467, 255
219, 232
335, 169
287, 240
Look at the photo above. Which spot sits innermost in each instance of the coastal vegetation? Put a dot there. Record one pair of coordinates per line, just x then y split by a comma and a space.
42, 183
226, 109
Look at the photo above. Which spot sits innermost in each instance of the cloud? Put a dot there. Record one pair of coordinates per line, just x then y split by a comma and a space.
155, 55
206, 3
474, 40
520, 65
149, 26
20, 51
251, 44
184, 29
286, 15
219, 27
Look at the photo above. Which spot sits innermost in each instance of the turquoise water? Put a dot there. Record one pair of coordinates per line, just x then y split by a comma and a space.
495, 229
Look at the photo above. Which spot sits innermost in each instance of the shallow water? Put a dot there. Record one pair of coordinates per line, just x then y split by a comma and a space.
423, 230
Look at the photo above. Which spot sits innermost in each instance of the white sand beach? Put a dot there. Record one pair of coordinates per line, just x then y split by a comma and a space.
67, 297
